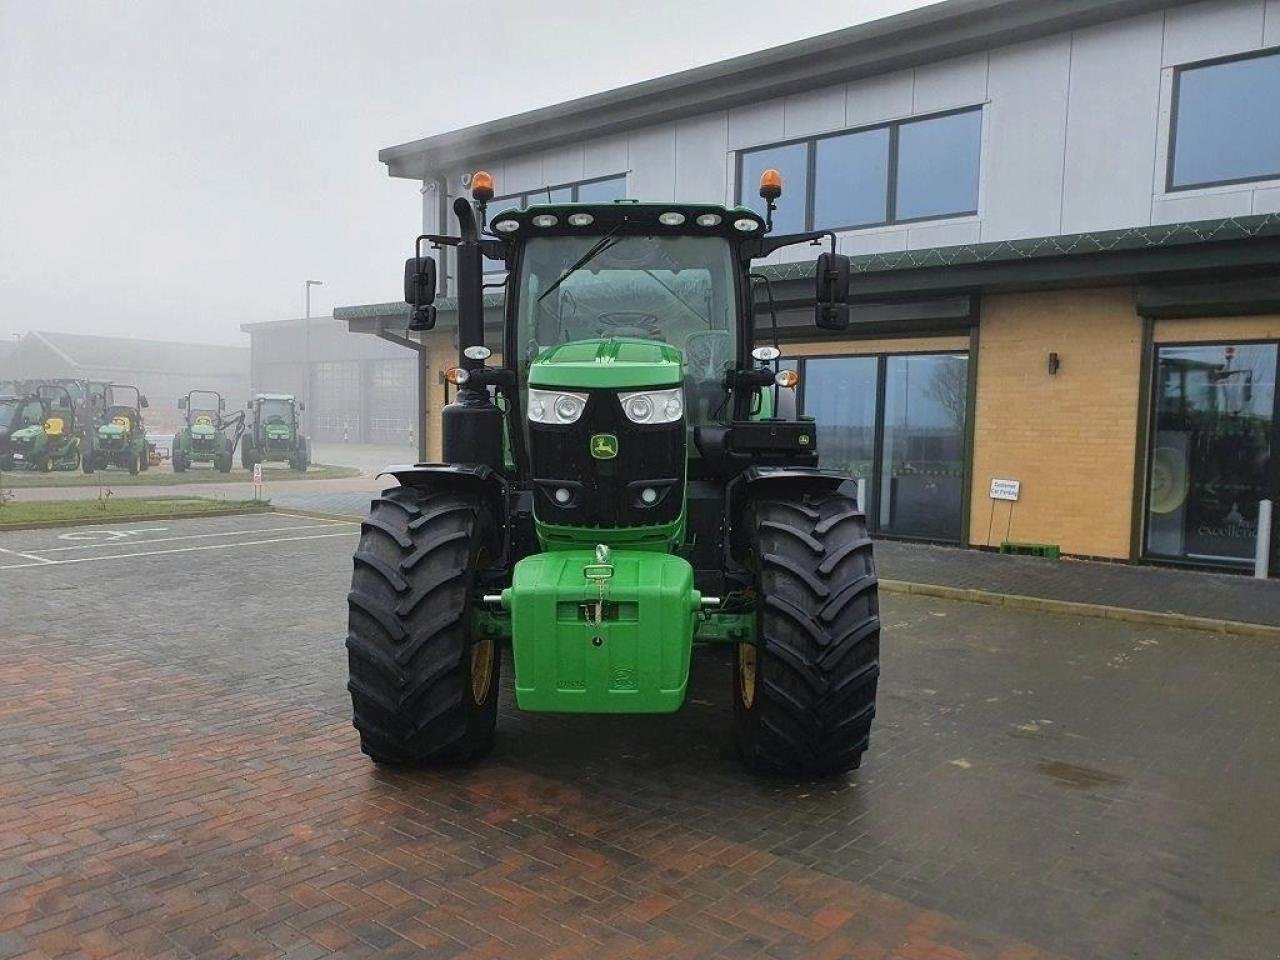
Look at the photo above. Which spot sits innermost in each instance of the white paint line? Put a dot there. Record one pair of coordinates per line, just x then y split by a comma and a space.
25, 556
156, 553
190, 536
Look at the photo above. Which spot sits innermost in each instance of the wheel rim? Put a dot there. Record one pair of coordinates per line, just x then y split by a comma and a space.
747, 674
481, 669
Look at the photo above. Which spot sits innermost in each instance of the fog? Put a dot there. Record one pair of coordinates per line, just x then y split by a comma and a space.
174, 169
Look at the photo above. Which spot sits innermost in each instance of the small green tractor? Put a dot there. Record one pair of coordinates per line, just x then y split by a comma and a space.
119, 437
616, 492
275, 435
207, 436
50, 439
17, 412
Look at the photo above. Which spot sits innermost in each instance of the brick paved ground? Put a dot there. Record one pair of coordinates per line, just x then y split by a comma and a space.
182, 780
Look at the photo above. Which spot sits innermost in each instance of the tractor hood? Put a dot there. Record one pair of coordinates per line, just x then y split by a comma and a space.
202, 431
278, 431
613, 363
28, 433
109, 431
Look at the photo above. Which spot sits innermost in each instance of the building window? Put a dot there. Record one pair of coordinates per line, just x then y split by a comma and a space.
1214, 415
895, 173
1224, 127
602, 190
898, 425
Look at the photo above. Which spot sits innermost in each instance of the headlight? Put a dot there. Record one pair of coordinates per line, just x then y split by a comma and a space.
555, 406
653, 406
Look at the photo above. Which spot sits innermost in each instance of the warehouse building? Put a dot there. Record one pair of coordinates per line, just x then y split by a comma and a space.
161, 370
356, 389
1064, 220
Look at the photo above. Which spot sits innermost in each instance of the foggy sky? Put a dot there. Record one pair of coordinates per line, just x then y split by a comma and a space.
173, 169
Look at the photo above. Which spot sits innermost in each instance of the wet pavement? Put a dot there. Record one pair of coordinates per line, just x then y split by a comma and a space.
178, 777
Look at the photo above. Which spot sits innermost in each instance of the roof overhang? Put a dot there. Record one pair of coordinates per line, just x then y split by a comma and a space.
940, 31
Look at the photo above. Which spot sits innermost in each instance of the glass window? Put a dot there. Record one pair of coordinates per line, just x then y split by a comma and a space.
792, 161
922, 474
841, 394
1225, 122
602, 191
851, 179
1211, 451
938, 166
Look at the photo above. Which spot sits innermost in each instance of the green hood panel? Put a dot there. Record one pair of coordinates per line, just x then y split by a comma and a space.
613, 363
277, 431
202, 430
110, 430
27, 433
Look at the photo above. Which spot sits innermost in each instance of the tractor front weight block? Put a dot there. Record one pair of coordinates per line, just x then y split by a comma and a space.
602, 632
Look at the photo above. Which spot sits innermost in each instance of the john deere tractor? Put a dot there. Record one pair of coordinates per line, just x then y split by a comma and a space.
50, 440
119, 438
275, 434
208, 436
17, 412
614, 493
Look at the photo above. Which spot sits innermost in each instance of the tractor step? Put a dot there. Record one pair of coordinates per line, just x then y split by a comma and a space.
602, 632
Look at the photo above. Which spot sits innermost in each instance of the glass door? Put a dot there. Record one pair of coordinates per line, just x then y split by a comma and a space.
898, 424
1214, 415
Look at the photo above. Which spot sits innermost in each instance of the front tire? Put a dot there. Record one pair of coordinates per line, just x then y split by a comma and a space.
805, 691
423, 689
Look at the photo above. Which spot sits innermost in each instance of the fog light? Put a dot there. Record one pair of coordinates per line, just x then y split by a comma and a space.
649, 495
581, 219
563, 495
507, 226
545, 220
745, 224
709, 219
672, 218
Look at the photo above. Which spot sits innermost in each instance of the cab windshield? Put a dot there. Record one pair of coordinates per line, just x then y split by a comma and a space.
277, 411
8, 409
678, 290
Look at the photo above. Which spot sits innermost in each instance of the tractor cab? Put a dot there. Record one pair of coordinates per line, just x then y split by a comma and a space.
618, 490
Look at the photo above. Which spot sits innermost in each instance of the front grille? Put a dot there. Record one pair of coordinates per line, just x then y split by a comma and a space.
607, 493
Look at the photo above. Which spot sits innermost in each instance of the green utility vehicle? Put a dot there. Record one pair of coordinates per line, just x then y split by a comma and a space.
50, 442
614, 494
208, 436
17, 412
119, 438
276, 433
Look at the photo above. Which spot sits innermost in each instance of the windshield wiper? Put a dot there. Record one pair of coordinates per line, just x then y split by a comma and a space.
594, 251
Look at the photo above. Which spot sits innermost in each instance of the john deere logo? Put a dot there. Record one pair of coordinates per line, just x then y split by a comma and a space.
604, 446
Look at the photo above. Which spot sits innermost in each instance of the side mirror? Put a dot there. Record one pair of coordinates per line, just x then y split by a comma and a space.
832, 293
302, 406
182, 403
248, 405
144, 403
420, 281
222, 404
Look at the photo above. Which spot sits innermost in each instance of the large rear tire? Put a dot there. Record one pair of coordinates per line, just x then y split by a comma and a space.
805, 691
423, 689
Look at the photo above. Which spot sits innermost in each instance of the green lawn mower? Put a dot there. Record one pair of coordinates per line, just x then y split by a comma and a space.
275, 435
616, 493
119, 437
50, 440
16, 413
208, 436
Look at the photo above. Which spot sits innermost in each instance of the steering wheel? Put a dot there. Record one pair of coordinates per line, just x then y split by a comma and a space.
628, 323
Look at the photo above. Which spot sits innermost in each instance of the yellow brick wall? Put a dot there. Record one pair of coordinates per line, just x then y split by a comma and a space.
828, 348
1203, 329
1071, 438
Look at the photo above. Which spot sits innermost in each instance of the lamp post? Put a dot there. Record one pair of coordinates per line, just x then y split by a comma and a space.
306, 387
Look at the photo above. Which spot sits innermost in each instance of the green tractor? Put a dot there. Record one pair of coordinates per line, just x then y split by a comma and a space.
17, 412
615, 493
208, 436
52, 441
119, 437
276, 433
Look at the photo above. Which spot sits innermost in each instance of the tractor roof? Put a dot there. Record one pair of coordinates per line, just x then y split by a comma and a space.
273, 396
632, 216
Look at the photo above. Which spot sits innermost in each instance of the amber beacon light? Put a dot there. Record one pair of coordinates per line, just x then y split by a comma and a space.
482, 186
771, 184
